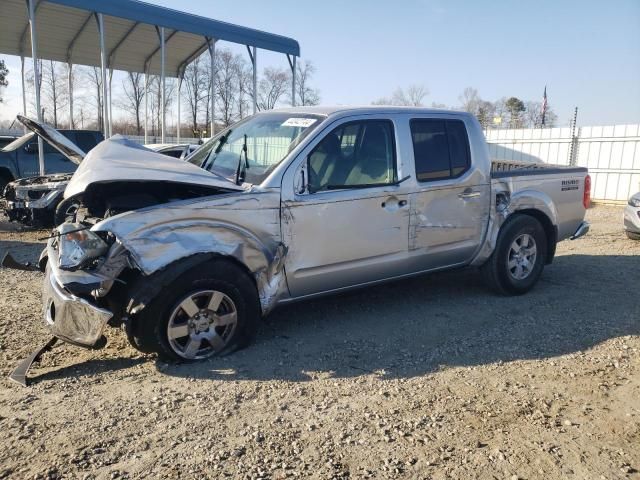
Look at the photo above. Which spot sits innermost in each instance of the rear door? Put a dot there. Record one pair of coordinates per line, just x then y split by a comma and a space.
450, 208
56, 162
27, 158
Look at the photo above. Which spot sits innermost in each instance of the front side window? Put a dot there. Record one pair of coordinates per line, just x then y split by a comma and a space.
256, 145
356, 154
440, 148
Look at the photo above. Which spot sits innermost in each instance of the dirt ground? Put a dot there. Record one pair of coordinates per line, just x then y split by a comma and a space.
433, 377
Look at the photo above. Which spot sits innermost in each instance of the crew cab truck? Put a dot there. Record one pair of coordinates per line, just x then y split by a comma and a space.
19, 159
33, 199
288, 205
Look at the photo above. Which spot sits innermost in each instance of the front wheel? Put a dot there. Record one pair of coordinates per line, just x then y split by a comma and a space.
211, 309
632, 235
519, 257
66, 210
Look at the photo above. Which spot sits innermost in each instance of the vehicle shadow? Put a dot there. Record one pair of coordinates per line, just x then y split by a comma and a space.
23, 252
93, 366
409, 328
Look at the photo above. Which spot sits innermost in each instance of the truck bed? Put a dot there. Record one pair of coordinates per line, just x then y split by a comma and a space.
506, 168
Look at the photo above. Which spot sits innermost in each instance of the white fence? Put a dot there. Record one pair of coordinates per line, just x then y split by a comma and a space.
611, 153
157, 139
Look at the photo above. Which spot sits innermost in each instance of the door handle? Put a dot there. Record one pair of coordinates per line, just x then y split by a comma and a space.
468, 194
392, 202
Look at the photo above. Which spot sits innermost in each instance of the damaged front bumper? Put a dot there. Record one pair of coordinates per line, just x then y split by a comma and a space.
71, 318
33, 201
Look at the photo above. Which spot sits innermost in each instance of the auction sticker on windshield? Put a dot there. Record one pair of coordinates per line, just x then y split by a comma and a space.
299, 122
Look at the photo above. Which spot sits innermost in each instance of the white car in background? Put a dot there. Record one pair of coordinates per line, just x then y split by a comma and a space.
631, 217
181, 150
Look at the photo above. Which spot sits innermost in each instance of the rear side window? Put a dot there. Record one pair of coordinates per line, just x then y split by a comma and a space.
440, 148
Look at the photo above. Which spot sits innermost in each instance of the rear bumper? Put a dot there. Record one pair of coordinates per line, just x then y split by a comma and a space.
69, 317
582, 230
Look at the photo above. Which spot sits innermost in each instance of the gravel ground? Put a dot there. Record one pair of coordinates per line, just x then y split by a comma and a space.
433, 377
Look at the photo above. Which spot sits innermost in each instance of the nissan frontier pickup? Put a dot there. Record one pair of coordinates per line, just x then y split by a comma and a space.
287, 205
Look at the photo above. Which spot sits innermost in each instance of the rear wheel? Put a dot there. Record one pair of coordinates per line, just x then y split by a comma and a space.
518, 260
209, 310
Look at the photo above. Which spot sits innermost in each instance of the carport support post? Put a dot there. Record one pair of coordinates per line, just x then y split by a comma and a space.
254, 61
110, 102
292, 64
146, 105
36, 77
163, 109
211, 45
103, 66
180, 77
70, 86
24, 91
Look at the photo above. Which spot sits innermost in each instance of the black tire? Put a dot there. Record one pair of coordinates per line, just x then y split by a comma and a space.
149, 332
66, 210
3, 183
516, 280
632, 235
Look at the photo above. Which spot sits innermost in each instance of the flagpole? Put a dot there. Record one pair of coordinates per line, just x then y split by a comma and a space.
544, 106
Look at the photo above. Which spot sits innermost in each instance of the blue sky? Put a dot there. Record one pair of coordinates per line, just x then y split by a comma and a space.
586, 52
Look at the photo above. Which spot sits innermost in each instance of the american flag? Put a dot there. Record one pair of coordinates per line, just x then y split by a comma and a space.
544, 104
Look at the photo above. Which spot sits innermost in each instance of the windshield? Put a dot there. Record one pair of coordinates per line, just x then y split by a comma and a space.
18, 142
269, 138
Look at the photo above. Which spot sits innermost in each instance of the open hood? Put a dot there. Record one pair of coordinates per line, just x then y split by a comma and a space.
54, 138
121, 160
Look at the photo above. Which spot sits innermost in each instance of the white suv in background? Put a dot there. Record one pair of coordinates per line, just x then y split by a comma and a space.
631, 217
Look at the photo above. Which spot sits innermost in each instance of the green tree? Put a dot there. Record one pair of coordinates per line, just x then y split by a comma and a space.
515, 107
4, 73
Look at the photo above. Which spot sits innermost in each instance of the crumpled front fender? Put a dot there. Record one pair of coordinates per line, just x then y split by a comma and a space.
160, 236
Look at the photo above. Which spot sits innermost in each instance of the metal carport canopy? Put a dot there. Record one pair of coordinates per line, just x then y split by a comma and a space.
69, 33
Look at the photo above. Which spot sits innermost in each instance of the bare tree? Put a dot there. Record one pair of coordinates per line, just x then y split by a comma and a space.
272, 87
4, 73
470, 100
196, 82
413, 96
94, 78
245, 88
307, 95
133, 89
533, 115
155, 101
226, 82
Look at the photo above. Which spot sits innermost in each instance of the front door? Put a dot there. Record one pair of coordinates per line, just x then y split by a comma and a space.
350, 224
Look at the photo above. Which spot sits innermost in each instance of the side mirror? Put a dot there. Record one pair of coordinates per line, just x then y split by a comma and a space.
31, 148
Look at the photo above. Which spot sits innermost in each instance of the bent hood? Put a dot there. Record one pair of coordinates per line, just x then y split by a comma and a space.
119, 159
54, 138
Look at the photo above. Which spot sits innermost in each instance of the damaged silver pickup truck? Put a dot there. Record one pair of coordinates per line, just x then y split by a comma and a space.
288, 205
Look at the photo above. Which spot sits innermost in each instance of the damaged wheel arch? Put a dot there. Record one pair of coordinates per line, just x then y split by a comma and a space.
146, 306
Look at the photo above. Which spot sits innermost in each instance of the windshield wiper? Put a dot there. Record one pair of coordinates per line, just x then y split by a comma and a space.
221, 142
242, 168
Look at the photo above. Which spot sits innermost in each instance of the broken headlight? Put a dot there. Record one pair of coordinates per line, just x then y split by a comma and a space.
78, 246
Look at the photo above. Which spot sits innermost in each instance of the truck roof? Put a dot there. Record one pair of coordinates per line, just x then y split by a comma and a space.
329, 110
